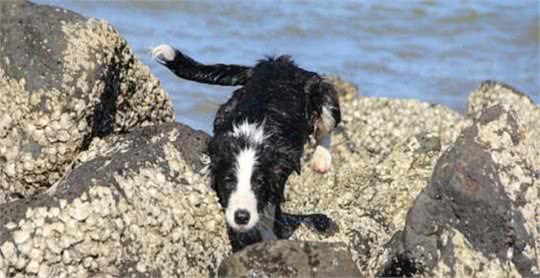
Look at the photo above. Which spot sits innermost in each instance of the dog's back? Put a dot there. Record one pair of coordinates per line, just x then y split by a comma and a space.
274, 94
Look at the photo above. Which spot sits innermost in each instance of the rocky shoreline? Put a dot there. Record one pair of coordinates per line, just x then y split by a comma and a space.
97, 180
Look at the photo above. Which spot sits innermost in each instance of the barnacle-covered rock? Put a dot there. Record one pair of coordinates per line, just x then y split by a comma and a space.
383, 156
135, 205
480, 214
491, 93
64, 79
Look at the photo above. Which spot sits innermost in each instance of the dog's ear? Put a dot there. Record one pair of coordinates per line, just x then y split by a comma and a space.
219, 151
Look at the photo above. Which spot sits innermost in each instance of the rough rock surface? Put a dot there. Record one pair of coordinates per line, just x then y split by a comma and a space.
493, 92
64, 79
135, 206
287, 258
383, 156
480, 214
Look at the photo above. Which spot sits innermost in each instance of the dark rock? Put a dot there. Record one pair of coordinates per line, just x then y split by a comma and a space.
64, 79
285, 258
472, 217
31, 47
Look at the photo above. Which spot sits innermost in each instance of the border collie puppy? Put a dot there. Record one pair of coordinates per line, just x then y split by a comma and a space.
259, 138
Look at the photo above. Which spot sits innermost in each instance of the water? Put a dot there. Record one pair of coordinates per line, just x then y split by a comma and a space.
432, 51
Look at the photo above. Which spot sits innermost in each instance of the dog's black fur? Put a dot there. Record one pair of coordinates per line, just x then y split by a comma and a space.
279, 97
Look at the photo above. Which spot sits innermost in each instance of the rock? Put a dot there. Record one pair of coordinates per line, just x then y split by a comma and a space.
491, 93
125, 210
383, 156
64, 79
479, 216
347, 91
287, 258
461, 259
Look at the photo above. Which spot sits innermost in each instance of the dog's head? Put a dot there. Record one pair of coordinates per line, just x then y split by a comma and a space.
246, 174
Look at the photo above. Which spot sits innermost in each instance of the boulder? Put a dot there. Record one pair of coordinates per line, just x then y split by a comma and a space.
479, 215
135, 205
64, 79
287, 258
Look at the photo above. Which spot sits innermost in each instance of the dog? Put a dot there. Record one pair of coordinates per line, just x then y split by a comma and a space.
259, 138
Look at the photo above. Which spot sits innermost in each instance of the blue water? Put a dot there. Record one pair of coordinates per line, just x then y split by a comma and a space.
432, 51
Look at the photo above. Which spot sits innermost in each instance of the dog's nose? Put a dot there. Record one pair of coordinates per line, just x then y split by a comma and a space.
241, 217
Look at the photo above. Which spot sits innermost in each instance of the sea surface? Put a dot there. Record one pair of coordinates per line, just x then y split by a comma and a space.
435, 51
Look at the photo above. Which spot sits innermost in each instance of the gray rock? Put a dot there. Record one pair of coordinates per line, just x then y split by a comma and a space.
479, 214
134, 206
287, 258
64, 79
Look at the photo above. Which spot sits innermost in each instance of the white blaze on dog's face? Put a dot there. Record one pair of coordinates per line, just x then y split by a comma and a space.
242, 201
241, 212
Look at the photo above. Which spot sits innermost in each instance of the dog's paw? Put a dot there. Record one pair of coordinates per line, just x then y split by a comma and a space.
164, 53
321, 223
322, 160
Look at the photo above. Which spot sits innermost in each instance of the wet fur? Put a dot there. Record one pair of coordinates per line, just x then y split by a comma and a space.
283, 100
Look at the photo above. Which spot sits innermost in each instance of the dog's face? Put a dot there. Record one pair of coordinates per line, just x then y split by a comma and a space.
241, 175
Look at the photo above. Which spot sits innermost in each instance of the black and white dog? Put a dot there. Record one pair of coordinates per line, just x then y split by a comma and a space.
259, 137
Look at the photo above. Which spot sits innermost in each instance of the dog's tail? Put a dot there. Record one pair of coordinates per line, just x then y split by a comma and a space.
185, 67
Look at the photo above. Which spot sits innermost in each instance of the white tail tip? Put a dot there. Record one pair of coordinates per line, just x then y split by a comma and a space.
164, 52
